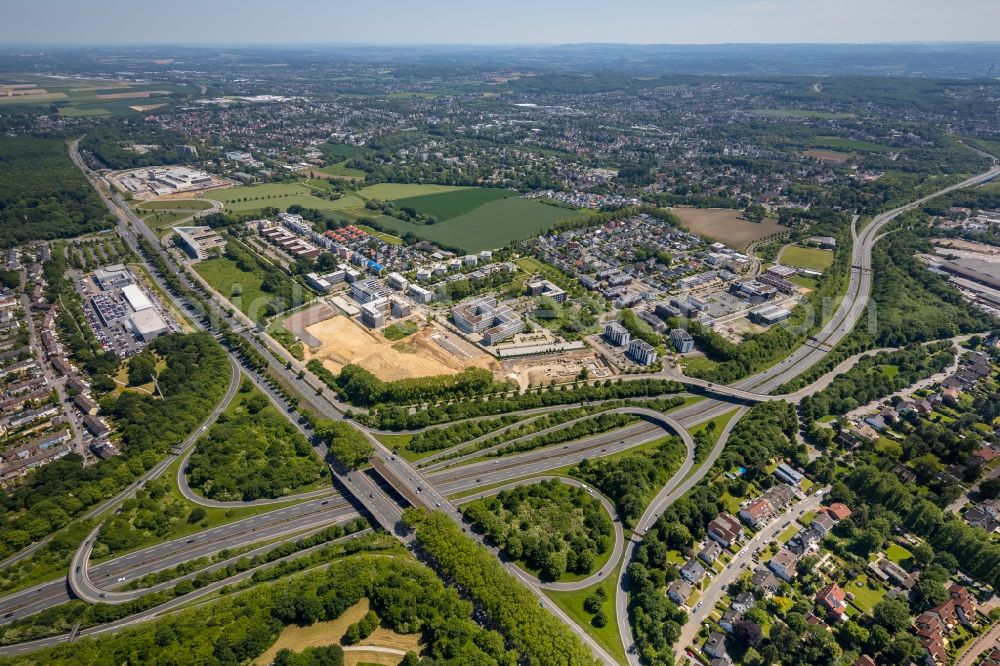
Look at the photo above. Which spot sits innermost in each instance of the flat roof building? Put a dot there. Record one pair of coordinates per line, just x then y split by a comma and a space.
199, 242
147, 324
617, 334
682, 340
642, 352
769, 315
136, 299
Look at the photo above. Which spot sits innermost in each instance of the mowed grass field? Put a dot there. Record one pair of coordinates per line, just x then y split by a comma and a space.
278, 195
223, 275
811, 258
179, 204
492, 225
726, 226
448, 205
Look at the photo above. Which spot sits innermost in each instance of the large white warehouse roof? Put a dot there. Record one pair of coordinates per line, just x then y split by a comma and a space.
136, 299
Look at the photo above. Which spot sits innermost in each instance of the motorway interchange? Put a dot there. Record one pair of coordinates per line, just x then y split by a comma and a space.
429, 487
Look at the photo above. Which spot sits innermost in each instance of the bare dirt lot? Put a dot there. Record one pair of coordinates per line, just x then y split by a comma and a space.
339, 340
297, 638
564, 367
828, 155
725, 226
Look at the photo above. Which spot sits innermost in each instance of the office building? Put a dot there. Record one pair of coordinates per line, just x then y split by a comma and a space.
642, 352
617, 334
682, 340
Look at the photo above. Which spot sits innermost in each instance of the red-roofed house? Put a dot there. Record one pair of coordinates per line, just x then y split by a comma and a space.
833, 599
838, 511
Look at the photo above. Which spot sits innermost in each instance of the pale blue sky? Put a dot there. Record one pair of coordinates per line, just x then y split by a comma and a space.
498, 22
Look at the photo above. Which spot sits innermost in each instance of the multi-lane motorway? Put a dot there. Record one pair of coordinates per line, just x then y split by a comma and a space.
428, 488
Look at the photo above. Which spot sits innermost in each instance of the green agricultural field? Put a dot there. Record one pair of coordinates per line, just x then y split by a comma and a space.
802, 113
224, 276
840, 143
811, 258
393, 191
448, 205
490, 226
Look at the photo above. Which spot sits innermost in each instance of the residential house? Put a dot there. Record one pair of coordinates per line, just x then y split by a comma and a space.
838, 511
725, 530
823, 523
783, 564
888, 570
728, 618
693, 571
833, 599
984, 515
679, 591
789, 475
743, 602
757, 512
779, 496
710, 553
765, 581
715, 646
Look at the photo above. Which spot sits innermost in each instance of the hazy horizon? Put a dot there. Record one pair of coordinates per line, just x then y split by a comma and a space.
517, 23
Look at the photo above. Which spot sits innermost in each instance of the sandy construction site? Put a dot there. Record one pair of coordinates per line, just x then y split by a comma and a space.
560, 368
337, 340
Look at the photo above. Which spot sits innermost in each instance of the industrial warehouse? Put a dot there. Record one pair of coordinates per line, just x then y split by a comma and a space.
122, 314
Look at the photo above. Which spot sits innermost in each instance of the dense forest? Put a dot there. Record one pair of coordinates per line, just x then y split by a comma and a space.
406, 597
400, 418
535, 634
553, 527
252, 454
629, 480
42, 193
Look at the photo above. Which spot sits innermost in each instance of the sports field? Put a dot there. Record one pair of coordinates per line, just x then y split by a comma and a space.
492, 225
448, 205
812, 258
726, 226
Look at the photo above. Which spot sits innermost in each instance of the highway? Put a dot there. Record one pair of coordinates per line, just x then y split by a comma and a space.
846, 316
616, 551
414, 486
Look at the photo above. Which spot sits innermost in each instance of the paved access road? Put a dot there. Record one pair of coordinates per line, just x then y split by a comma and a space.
740, 562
